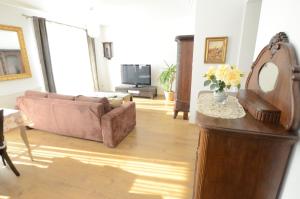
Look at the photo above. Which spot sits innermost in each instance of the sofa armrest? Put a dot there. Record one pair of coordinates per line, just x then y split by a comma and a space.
118, 123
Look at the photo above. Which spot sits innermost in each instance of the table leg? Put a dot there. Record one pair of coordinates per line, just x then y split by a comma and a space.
25, 140
175, 114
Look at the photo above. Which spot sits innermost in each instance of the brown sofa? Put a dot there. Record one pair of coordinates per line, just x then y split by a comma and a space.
78, 116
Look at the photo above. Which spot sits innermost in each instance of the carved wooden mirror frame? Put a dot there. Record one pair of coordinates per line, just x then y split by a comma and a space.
286, 94
23, 54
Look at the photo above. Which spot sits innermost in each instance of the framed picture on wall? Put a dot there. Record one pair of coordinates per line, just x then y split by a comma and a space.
215, 50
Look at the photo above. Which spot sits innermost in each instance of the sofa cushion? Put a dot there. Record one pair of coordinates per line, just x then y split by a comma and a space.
31, 93
59, 96
102, 100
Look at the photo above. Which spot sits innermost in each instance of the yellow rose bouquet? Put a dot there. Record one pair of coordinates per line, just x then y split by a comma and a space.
223, 77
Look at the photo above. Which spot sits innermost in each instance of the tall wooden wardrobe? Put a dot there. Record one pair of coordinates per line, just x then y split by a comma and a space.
185, 45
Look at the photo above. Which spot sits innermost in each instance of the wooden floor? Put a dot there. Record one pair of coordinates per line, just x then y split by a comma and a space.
156, 161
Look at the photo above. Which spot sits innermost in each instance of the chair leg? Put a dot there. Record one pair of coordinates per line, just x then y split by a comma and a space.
3, 160
9, 162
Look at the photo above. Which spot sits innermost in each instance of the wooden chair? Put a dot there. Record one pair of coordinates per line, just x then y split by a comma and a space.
3, 152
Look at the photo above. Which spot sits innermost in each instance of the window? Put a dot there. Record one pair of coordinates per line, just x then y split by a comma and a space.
70, 59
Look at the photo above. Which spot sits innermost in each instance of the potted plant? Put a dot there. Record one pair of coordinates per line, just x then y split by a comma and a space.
166, 79
222, 78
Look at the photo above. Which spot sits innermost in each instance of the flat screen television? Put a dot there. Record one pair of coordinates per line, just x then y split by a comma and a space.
136, 74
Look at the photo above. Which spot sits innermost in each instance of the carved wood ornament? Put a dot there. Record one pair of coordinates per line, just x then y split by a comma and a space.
274, 43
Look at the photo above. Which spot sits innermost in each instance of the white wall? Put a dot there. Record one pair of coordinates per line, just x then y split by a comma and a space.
10, 89
141, 42
249, 34
283, 16
215, 18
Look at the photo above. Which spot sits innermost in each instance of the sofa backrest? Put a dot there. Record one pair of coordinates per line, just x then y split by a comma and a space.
67, 117
31, 93
103, 100
59, 96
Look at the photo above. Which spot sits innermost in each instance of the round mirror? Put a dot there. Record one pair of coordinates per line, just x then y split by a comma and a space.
268, 77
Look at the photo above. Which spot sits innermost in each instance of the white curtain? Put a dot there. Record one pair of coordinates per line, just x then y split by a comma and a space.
70, 59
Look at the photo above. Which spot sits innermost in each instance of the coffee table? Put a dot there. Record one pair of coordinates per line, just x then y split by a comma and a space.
114, 98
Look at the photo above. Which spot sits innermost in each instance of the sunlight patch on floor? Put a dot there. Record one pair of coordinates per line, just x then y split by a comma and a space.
30, 164
168, 190
155, 108
159, 177
156, 105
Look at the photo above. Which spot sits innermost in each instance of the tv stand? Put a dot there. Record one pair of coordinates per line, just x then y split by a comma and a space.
138, 91
140, 86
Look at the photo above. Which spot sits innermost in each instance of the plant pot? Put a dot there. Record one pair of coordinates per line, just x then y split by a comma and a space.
169, 96
220, 97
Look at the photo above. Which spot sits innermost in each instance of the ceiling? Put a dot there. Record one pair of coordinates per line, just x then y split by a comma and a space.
108, 11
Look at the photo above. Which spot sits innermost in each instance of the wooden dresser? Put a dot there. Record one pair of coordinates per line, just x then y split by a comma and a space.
185, 45
246, 158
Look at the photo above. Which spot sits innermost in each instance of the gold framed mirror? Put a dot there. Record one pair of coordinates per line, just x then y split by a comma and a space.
14, 62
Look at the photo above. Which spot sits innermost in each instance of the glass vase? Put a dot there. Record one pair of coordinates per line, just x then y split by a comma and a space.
220, 97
